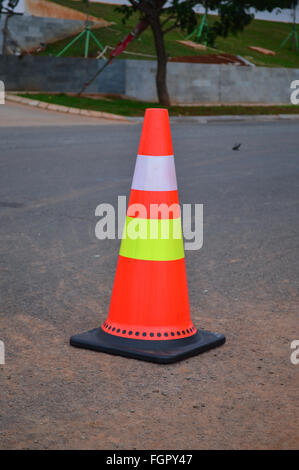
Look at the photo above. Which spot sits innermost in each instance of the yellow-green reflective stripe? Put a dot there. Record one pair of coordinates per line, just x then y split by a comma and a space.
152, 239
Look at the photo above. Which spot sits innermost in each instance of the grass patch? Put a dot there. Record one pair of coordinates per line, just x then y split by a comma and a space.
268, 34
126, 107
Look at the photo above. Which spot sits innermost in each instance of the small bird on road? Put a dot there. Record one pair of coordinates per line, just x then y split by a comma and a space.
237, 146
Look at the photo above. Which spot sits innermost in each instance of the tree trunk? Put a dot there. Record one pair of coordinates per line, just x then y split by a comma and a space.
4, 31
162, 62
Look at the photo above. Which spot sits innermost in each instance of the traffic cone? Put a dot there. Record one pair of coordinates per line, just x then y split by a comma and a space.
149, 315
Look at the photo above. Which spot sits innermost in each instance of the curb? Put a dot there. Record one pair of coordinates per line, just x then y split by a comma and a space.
65, 109
137, 120
230, 118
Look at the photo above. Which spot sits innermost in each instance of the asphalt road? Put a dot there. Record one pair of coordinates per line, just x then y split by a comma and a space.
56, 280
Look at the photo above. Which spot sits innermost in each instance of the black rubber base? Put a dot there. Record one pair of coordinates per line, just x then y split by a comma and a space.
163, 352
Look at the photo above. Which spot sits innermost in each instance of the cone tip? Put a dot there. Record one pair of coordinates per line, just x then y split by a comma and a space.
156, 111
156, 137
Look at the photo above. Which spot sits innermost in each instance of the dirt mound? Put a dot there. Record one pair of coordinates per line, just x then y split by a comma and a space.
210, 59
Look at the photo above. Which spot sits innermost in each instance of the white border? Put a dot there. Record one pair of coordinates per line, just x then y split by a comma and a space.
154, 173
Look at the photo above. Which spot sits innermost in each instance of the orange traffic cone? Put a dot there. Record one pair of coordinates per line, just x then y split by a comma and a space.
149, 316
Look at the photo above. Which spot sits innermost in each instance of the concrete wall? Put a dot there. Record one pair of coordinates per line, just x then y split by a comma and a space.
31, 73
31, 31
204, 83
60, 74
188, 83
113, 78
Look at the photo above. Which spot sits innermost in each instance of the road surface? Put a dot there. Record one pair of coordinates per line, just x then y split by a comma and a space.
56, 280
18, 115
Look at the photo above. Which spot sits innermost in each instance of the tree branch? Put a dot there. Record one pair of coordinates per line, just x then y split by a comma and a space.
175, 25
170, 17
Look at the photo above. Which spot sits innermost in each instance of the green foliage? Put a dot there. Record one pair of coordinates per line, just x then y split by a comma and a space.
183, 15
126, 12
233, 17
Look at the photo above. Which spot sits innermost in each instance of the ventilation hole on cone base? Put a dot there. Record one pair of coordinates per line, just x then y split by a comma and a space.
152, 335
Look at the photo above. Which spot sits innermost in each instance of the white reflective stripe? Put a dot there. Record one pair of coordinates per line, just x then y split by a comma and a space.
154, 173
